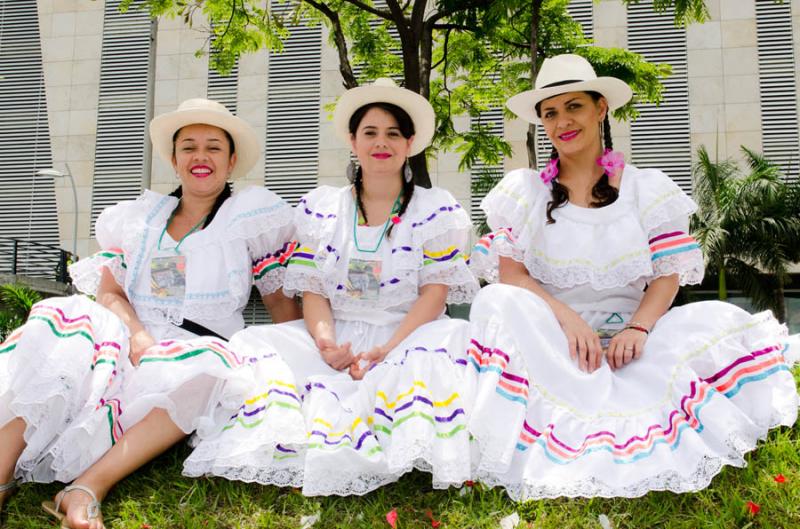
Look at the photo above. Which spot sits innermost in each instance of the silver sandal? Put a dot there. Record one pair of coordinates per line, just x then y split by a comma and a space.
54, 508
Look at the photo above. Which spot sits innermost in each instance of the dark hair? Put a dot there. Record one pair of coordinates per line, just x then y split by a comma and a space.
228, 136
603, 192
224, 195
406, 126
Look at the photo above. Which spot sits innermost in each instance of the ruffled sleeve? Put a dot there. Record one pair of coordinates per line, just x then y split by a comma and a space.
664, 211
509, 209
110, 229
265, 222
315, 220
441, 227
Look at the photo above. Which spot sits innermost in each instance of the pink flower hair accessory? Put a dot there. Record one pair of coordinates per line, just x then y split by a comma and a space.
549, 172
612, 162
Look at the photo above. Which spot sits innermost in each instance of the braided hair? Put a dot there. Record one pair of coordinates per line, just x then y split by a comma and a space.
602, 192
226, 192
406, 126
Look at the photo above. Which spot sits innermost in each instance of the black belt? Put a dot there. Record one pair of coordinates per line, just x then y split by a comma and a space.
199, 330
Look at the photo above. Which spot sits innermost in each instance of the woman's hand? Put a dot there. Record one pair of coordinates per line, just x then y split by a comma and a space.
625, 347
338, 356
584, 344
364, 361
139, 343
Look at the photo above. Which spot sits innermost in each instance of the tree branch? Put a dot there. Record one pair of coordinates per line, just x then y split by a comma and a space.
462, 6
341, 44
370, 9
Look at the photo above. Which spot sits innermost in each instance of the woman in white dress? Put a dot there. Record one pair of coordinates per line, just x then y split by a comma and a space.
376, 263
588, 384
91, 390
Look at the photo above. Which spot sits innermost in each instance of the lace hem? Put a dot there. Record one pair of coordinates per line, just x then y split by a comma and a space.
689, 267
570, 276
462, 286
738, 443
271, 282
86, 273
296, 281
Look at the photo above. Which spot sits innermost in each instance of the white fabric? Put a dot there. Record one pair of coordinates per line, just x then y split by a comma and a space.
410, 410
711, 382
66, 372
603, 248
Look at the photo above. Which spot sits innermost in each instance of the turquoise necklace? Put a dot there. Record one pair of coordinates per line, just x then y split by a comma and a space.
395, 210
178, 246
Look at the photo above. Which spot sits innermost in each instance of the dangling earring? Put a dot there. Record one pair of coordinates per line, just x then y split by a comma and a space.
408, 174
351, 172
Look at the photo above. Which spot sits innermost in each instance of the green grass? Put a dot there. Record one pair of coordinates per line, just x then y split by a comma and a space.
159, 497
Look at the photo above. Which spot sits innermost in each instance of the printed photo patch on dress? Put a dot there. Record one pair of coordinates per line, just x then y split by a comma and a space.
168, 276
364, 279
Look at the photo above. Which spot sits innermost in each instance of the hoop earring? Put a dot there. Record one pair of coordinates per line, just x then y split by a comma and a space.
408, 174
351, 172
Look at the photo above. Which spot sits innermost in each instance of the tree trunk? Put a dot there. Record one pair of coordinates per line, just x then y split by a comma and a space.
722, 286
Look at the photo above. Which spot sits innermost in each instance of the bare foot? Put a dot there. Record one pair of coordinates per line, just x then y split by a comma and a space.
78, 511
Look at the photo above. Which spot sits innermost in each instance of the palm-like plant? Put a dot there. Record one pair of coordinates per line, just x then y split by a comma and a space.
15, 304
748, 226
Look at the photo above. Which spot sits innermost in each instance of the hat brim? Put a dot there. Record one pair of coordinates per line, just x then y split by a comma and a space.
616, 92
418, 108
246, 143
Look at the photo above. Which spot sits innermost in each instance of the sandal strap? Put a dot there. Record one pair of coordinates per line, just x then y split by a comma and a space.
92, 509
13, 484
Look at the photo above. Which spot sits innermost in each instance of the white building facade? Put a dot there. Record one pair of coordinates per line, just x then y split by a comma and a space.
79, 82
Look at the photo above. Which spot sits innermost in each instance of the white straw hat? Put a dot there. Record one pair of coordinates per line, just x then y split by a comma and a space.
384, 90
567, 73
205, 111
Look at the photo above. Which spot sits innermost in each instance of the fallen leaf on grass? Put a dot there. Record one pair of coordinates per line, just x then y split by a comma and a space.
510, 522
780, 478
753, 507
434, 521
306, 522
391, 517
605, 523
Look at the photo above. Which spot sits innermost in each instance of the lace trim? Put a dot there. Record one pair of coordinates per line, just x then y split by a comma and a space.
738, 443
689, 267
462, 286
86, 273
634, 267
271, 282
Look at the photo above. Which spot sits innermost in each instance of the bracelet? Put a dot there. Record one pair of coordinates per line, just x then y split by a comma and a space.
636, 326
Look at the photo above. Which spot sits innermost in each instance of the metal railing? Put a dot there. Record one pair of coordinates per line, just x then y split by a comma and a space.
34, 259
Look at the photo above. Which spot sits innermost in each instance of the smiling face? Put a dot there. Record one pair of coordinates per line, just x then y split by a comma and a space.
378, 143
572, 122
202, 159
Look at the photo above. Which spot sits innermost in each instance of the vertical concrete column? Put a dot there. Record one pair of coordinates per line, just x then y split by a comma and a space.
179, 75
611, 31
707, 85
251, 100
72, 37
334, 155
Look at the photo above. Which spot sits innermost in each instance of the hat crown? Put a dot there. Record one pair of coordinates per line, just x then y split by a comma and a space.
562, 68
202, 104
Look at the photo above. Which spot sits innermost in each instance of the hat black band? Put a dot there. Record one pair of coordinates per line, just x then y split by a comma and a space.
559, 83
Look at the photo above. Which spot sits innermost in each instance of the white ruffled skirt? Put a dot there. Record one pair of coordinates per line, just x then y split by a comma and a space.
303, 424
711, 382
66, 372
